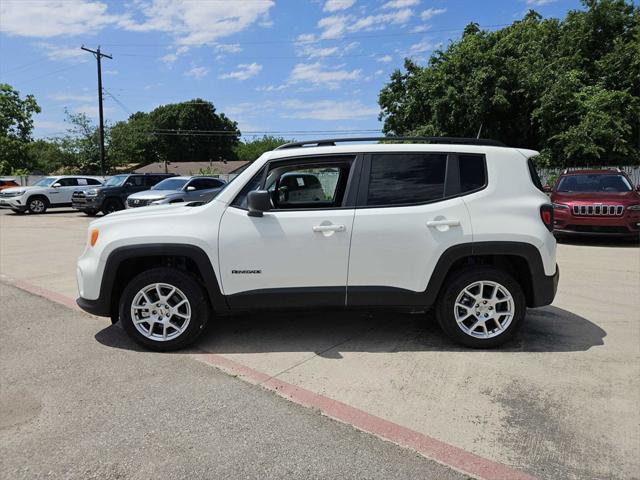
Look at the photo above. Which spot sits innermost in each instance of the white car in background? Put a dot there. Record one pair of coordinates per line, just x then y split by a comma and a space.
48, 192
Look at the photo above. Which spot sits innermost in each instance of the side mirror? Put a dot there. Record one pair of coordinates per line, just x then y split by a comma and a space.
190, 188
259, 201
56, 185
638, 188
547, 188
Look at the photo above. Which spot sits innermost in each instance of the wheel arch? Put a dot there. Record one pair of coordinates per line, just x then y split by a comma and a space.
522, 260
47, 202
126, 262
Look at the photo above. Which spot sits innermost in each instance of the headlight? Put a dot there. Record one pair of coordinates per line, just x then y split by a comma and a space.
93, 192
560, 205
635, 208
14, 194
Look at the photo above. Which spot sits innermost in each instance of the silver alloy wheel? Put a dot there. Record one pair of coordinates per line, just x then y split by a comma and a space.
484, 309
160, 312
36, 205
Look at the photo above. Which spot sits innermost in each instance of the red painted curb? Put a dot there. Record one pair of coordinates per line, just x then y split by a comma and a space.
441, 452
41, 292
448, 455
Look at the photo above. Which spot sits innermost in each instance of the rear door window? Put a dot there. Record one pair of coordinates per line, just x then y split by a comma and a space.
406, 179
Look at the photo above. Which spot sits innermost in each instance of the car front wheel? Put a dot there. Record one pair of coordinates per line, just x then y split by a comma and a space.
164, 309
482, 307
37, 205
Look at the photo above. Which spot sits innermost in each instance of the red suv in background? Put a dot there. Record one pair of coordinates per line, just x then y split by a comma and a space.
596, 202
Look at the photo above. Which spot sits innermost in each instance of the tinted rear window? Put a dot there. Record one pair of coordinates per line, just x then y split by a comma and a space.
534, 175
473, 174
398, 179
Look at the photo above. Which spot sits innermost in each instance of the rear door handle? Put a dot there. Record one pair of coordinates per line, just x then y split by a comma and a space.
443, 223
329, 228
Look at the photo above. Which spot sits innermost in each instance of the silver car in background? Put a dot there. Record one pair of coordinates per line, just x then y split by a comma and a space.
178, 189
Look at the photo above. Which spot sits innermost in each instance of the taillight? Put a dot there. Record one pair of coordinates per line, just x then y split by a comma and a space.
546, 214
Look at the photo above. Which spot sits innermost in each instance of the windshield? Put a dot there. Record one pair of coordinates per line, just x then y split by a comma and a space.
44, 182
115, 181
170, 184
594, 183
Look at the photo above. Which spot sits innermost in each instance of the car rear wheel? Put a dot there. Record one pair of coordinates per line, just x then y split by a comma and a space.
111, 205
482, 307
91, 213
164, 309
37, 205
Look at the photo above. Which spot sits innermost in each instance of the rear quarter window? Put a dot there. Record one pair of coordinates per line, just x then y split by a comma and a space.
473, 172
534, 175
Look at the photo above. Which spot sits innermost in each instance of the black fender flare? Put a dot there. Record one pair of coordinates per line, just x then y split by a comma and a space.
104, 304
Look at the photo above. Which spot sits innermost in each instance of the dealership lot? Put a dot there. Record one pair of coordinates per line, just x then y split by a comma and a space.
559, 402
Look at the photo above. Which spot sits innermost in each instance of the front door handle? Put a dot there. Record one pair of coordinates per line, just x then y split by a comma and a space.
443, 223
329, 228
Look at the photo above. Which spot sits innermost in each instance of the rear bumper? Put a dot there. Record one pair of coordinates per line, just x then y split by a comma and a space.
544, 289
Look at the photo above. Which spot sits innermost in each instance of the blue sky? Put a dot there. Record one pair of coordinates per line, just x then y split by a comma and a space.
289, 66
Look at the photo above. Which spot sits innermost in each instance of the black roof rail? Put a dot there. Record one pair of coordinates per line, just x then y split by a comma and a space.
331, 142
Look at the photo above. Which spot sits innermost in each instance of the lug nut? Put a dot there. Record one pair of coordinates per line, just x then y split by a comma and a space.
485, 302
486, 315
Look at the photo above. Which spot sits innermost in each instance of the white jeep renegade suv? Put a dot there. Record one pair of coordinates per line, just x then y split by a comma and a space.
458, 224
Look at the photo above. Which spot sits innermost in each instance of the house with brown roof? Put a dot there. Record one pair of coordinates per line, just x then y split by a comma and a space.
194, 168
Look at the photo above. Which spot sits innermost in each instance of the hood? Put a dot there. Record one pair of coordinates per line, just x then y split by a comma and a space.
153, 194
595, 197
18, 189
164, 210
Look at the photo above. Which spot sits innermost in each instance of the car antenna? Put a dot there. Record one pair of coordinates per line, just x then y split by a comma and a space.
479, 131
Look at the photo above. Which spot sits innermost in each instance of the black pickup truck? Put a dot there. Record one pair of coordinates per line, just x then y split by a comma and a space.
112, 195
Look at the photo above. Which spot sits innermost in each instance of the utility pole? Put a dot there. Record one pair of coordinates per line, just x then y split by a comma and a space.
99, 56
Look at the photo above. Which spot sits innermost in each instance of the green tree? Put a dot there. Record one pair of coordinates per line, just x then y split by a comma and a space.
193, 131
249, 151
132, 141
570, 89
16, 125
46, 156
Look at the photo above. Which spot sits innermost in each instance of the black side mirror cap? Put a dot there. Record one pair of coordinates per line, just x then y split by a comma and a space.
259, 201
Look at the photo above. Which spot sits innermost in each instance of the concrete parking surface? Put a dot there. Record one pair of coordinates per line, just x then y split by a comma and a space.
561, 401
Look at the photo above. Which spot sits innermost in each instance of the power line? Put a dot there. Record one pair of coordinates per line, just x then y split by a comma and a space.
53, 72
120, 104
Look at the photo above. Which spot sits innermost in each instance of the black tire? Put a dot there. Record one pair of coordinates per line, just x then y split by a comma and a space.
111, 205
37, 204
18, 212
456, 283
91, 213
186, 285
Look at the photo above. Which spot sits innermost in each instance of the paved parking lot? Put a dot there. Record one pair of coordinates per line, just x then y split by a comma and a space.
559, 402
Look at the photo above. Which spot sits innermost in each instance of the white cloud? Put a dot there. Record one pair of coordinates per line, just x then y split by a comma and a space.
329, 110
384, 59
272, 88
423, 46
228, 48
91, 109
539, 3
431, 12
314, 74
64, 53
195, 22
335, 5
51, 18
72, 97
335, 26
197, 72
401, 3
111, 72
244, 71
314, 51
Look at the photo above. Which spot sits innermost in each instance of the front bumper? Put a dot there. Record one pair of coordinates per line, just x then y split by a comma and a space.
86, 203
627, 224
97, 307
14, 203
